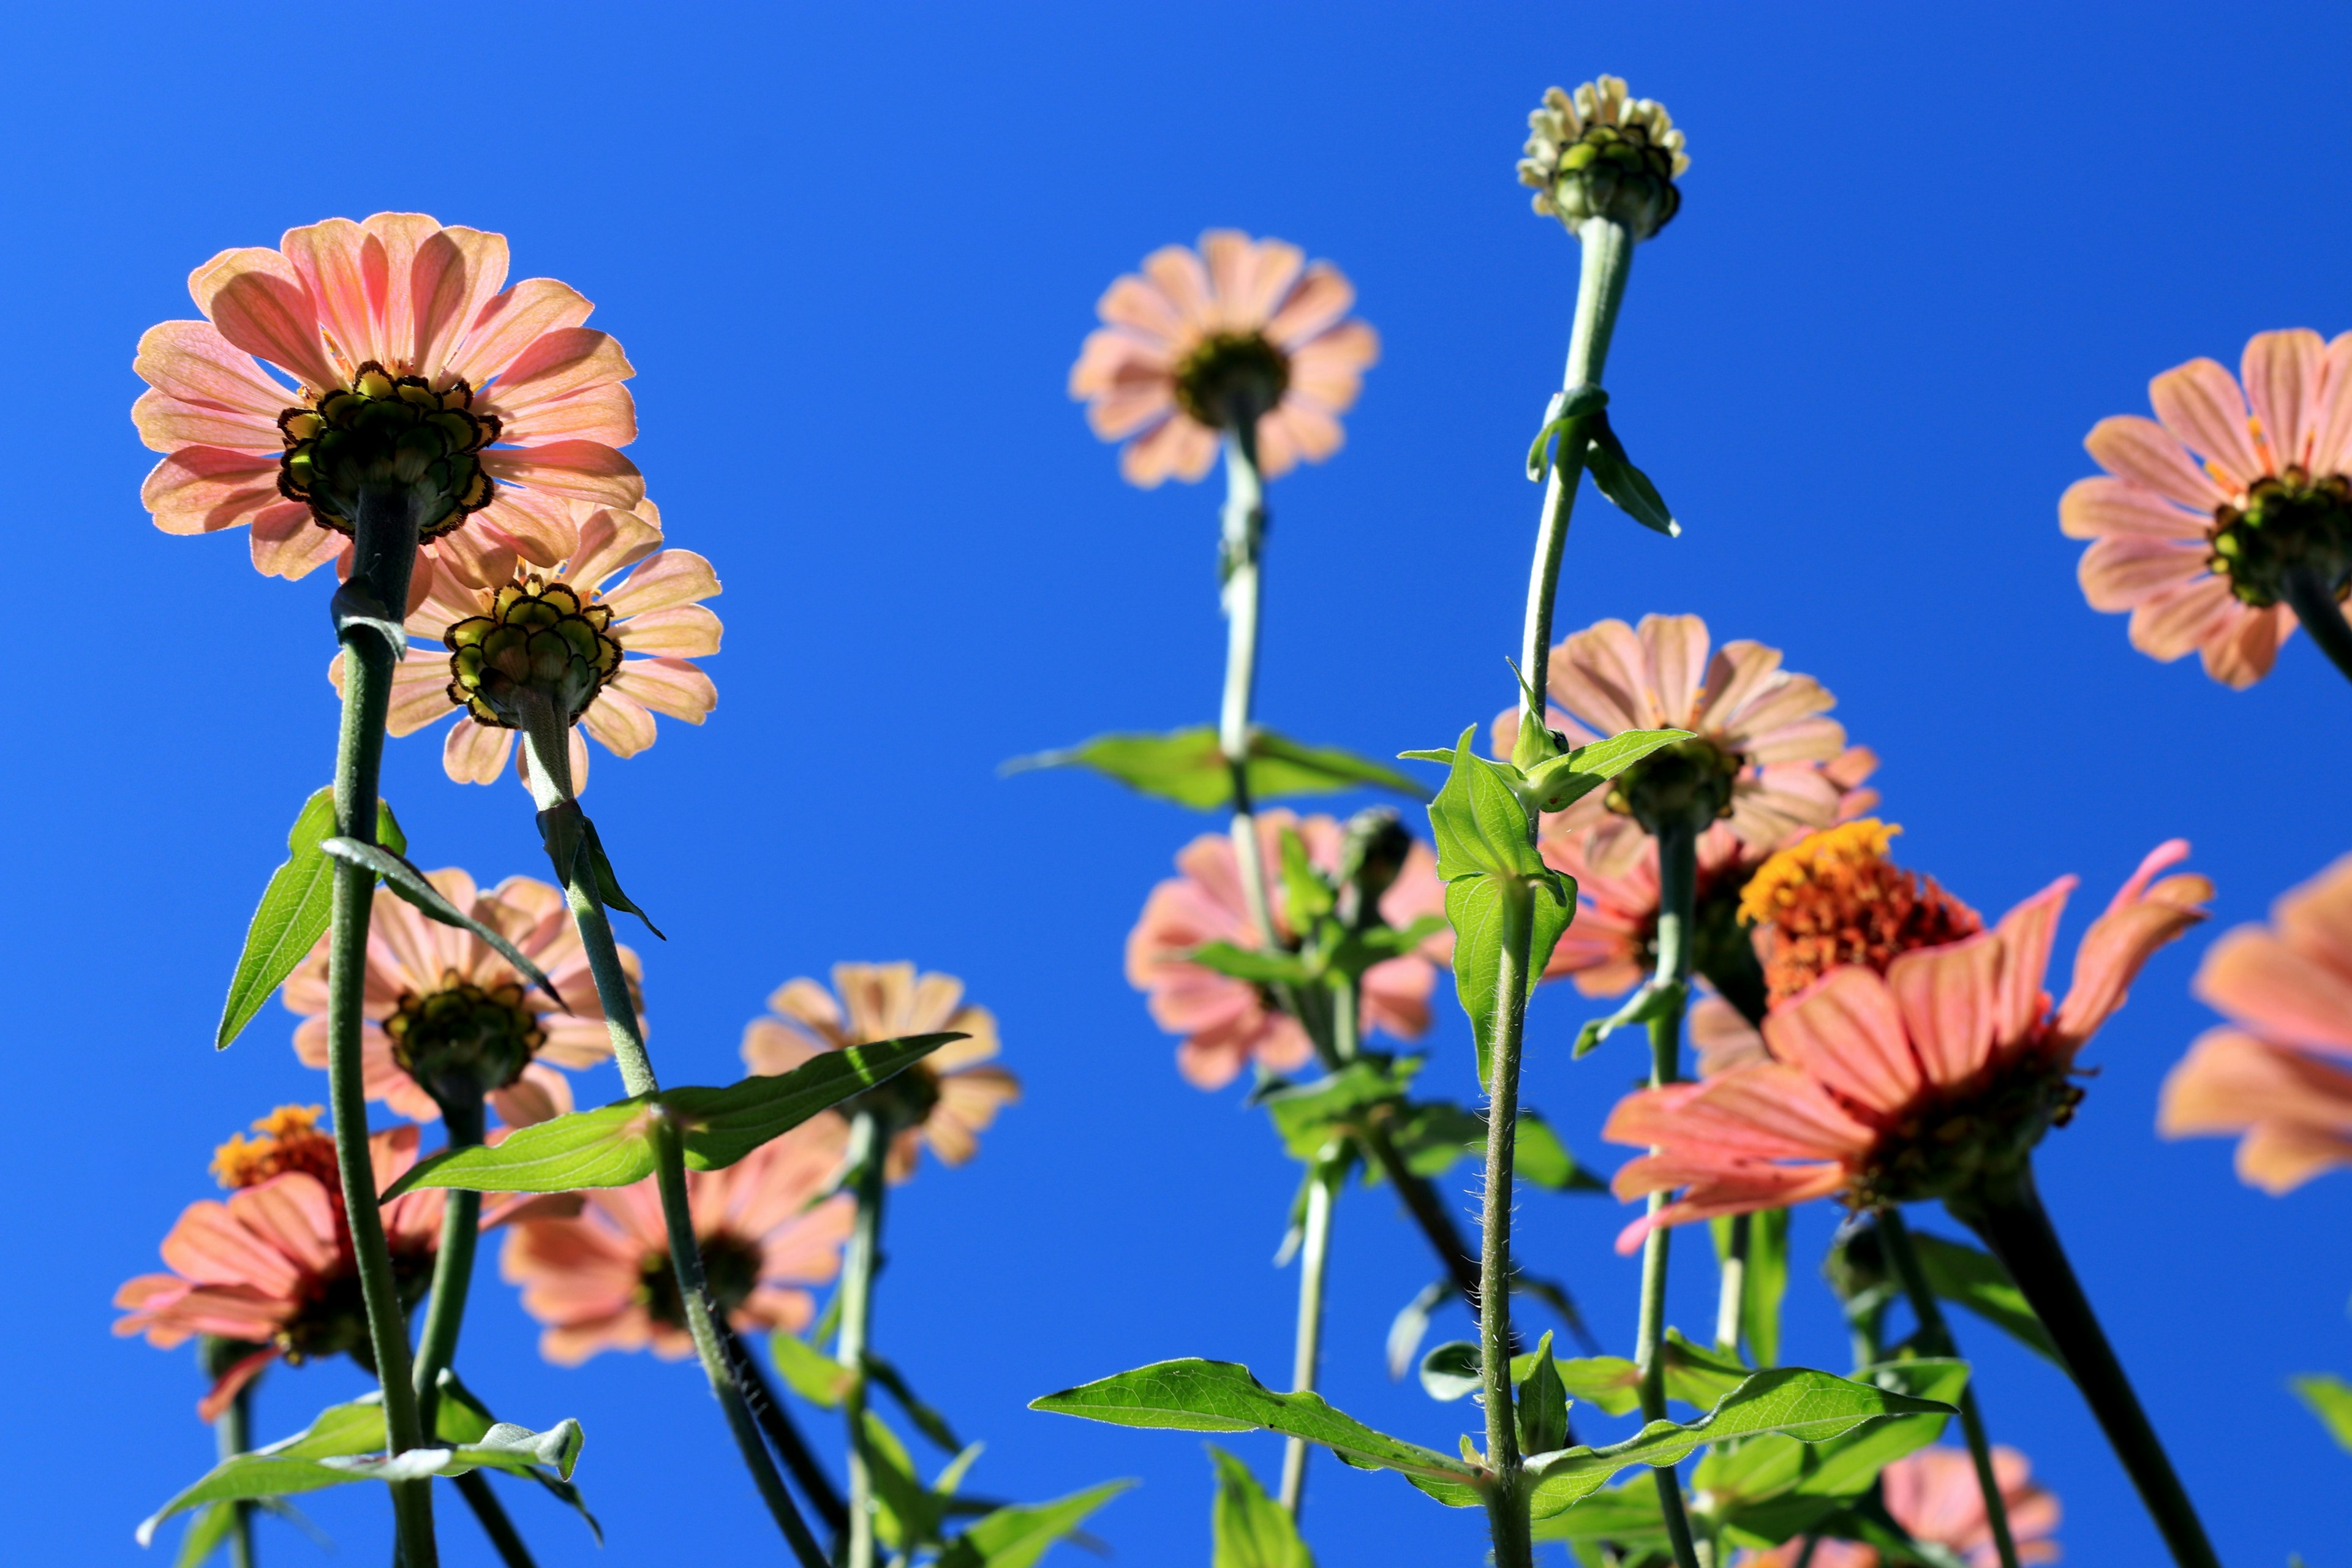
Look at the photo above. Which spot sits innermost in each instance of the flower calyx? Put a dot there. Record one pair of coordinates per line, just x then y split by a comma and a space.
1687, 782
1229, 378
464, 1040
1597, 153
730, 1272
536, 639
387, 433
1977, 1136
2290, 522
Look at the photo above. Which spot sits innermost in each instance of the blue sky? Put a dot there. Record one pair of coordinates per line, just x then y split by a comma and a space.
852, 256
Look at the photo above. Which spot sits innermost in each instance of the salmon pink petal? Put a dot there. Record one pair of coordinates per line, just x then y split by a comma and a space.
2201, 405
1311, 310
2123, 572
610, 539
165, 424
671, 686
2282, 372
345, 275
234, 1382
1601, 675
510, 323
2144, 452
672, 577
1744, 1190
475, 752
1722, 1037
2245, 644
200, 490
606, 413
543, 529
541, 1095
1812, 740
1847, 1031
1739, 670
682, 631
2229, 1081
2103, 507
2255, 978
192, 362
258, 300
2331, 444
2026, 933
288, 542
454, 275
1181, 448
556, 365
583, 470
1143, 309
1950, 998
2179, 619
1330, 370
1675, 648
1184, 282
2315, 918
621, 725
1777, 704
2280, 1156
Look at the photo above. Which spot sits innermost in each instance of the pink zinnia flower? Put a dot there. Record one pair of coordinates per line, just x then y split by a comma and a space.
2204, 508
944, 1101
401, 292
1934, 1495
1244, 317
1226, 1023
2288, 989
652, 616
603, 1280
432, 989
1762, 737
1907, 1085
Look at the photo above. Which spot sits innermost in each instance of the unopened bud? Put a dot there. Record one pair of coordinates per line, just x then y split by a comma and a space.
1597, 153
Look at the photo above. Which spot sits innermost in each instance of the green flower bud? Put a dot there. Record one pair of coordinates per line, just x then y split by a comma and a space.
1600, 154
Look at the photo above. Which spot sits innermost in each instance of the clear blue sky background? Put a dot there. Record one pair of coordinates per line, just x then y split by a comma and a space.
853, 256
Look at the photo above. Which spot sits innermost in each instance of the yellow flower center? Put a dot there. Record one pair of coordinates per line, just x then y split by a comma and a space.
464, 1038
536, 637
1231, 372
387, 432
1834, 899
2291, 521
289, 1140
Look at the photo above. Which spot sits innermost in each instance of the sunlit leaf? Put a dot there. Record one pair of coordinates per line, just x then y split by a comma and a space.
1188, 767
723, 1125
1249, 1529
1628, 486
813, 1375
1259, 966
1542, 1402
294, 912
1968, 1278
928, 1421
2330, 1399
1561, 781
1017, 1535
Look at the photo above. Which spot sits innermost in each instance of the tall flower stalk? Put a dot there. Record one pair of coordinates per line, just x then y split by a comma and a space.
870, 1143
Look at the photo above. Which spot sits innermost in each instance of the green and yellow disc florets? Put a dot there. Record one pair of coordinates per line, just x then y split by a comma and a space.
1689, 781
536, 637
385, 431
2291, 522
464, 1038
1600, 154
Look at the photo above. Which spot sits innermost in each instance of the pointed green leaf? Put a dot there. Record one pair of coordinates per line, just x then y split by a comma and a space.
908, 1516
293, 912
928, 1421
1967, 1278
205, 1534
611, 1146
1542, 1404
1480, 826
1758, 1469
1628, 1515
1308, 1116
1560, 783
459, 1417
723, 1125
1628, 486
404, 878
1540, 1159
1194, 1396
1249, 1529
2330, 1399
1475, 905
1450, 1370
607, 885
813, 1375
1257, 965
1017, 1535
1188, 767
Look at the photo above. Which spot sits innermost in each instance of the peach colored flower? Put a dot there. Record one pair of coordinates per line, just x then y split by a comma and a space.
1833, 897
1907, 1085
657, 626
2288, 989
603, 1281
1228, 1023
1241, 319
404, 293
1934, 1495
432, 988
944, 1101
2202, 507
1763, 747
273, 1266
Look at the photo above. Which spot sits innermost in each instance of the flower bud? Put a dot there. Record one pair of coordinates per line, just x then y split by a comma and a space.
1599, 154
387, 433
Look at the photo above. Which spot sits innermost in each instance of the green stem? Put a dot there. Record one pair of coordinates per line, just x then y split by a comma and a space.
777, 1421
1677, 903
1936, 1338
869, 1151
1244, 533
453, 1267
385, 551
491, 1515
1507, 1502
2009, 1215
1731, 1299
1306, 1357
1600, 289
546, 739
2322, 615
232, 1435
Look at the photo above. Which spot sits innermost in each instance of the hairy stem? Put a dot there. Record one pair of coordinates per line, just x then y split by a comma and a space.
1244, 533
1677, 902
546, 749
453, 1269
2322, 615
2009, 1215
1507, 1503
869, 1150
782, 1433
1306, 1357
384, 554
474, 1485
1936, 1338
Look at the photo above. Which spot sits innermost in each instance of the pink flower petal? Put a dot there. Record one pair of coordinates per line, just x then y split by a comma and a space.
2143, 451
2097, 508
258, 300
2125, 571
1847, 1031
512, 322
2201, 405
2281, 372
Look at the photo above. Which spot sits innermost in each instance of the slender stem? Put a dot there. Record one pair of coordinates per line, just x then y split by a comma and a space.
384, 550
232, 1435
453, 1267
1731, 1299
491, 1515
777, 1421
547, 746
1936, 1338
869, 1150
1507, 1502
1608, 261
2010, 1217
2322, 615
1244, 533
1307, 1356
1677, 902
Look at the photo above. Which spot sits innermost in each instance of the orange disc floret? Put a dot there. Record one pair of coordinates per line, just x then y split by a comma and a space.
289, 1140
1833, 897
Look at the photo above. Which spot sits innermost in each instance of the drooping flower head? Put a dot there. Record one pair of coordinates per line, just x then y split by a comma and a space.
608, 639
1241, 331
944, 1102
1934, 1495
1920, 1083
1598, 154
2207, 508
603, 1280
1226, 1023
443, 1009
1757, 761
1833, 897
415, 368
273, 1266
2272, 1073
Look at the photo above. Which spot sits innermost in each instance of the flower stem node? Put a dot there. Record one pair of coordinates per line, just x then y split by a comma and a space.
1688, 782
385, 432
2290, 522
1597, 153
465, 1040
537, 638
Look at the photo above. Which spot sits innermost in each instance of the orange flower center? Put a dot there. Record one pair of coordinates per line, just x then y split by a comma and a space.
387, 432
730, 1272
1230, 375
2290, 522
536, 637
464, 1039
1835, 898
289, 1140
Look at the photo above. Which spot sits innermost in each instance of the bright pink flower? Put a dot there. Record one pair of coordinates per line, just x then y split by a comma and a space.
1934, 1495
1908, 1086
432, 984
944, 1101
603, 1280
2167, 520
1180, 340
1226, 1023
417, 299
2289, 987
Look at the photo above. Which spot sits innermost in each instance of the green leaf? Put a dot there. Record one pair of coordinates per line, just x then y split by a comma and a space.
1450, 1370
1560, 783
1791, 1401
1308, 1116
607, 885
1628, 1515
907, 1515
1968, 1278
1542, 1404
1249, 1529
1624, 484
1480, 824
1194, 1396
813, 1375
293, 913
1541, 1159
1759, 1470
2330, 1399
404, 878
206, 1533
1188, 767
1477, 907
1307, 897
613, 1146
1568, 405
1259, 966
1017, 1535
458, 1416
928, 1421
